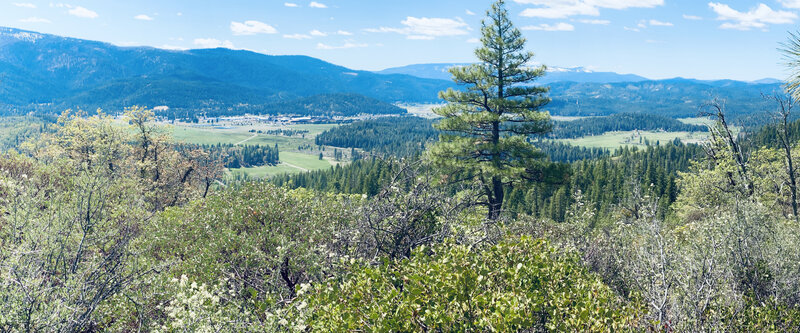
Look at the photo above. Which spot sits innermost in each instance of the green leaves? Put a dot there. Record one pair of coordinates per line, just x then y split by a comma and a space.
512, 286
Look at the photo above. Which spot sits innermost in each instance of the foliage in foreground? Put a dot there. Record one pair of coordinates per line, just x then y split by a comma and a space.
512, 286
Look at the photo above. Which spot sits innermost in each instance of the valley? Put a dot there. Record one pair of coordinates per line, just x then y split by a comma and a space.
298, 152
237, 178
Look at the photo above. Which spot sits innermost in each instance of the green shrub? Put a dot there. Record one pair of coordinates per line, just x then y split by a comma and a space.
512, 286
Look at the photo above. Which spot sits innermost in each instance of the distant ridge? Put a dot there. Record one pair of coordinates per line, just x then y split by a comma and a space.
41, 71
46, 73
554, 74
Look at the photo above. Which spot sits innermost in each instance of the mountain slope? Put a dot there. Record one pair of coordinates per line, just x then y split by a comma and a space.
47, 73
672, 98
66, 72
554, 74
581, 92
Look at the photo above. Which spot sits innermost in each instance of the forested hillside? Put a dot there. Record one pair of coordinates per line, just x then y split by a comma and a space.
674, 98
554, 74
49, 73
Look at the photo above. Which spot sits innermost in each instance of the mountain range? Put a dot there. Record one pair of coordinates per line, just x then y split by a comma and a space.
47, 73
554, 74
43, 71
579, 91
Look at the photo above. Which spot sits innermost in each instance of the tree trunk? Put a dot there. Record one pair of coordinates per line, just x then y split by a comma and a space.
496, 200
790, 171
496, 197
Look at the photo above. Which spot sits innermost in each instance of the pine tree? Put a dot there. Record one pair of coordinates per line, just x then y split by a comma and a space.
486, 126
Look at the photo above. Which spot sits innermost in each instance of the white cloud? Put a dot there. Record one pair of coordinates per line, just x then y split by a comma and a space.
179, 14
297, 36
35, 20
24, 4
692, 17
317, 33
143, 17
643, 24
556, 9
427, 28
600, 22
344, 33
82, 12
473, 40
346, 45
790, 3
758, 17
211, 43
469, 12
290, 4
251, 28
657, 23
315, 4
561, 26
561, 11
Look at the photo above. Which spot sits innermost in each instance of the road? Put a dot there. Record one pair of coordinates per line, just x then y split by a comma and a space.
245, 140
296, 167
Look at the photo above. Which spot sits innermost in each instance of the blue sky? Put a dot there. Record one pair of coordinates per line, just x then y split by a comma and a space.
735, 39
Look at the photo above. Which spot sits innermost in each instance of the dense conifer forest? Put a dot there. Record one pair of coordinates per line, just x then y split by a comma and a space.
397, 136
620, 122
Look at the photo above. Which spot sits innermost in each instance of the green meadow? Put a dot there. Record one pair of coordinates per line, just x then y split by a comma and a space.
293, 159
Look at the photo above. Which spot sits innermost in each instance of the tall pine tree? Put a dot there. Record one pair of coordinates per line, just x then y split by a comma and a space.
486, 126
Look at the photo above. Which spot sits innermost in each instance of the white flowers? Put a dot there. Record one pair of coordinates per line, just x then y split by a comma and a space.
195, 307
303, 289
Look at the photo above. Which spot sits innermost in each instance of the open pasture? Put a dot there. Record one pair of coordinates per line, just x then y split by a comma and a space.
614, 140
293, 159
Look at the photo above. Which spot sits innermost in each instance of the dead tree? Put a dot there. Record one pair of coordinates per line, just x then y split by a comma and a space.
785, 105
722, 133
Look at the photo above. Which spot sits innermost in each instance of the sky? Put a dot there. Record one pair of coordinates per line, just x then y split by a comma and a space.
718, 39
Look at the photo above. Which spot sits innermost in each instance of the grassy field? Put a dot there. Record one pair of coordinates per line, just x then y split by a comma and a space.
304, 161
292, 159
614, 140
421, 110
705, 121
291, 162
238, 134
565, 118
